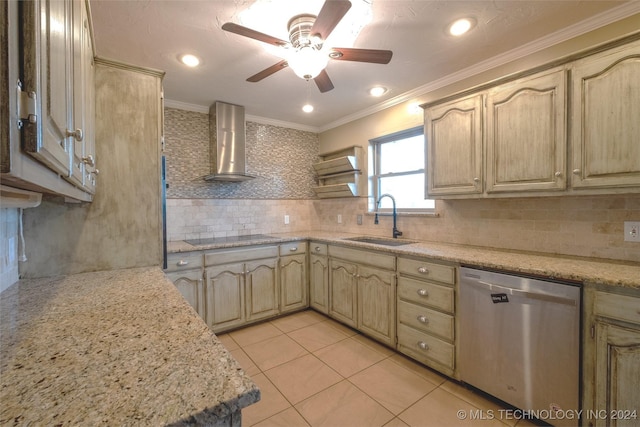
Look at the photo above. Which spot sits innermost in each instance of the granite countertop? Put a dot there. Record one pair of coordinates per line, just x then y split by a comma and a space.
117, 347
582, 269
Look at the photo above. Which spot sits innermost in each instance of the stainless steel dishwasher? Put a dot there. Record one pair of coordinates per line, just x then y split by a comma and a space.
520, 341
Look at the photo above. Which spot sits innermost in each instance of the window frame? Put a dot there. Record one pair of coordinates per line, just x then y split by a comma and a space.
375, 175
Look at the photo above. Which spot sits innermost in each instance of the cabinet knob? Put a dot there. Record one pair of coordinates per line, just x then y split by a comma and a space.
317, 248
576, 171
476, 180
423, 345
558, 174
423, 292
423, 270
77, 134
423, 319
182, 263
96, 172
89, 160
293, 249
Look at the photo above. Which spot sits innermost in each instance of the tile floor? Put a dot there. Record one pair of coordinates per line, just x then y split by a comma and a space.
313, 371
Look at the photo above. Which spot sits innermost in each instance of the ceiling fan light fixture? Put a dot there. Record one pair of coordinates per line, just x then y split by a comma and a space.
461, 26
377, 91
307, 62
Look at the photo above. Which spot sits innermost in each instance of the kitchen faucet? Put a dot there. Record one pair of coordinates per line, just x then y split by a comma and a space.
396, 232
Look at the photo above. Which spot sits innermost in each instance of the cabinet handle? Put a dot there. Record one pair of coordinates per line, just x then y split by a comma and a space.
96, 172
89, 160
476, 180
423, 292
182, 263
558, 174
423, 319
77, 134
423, 270
423, 345
295, 248
576, 171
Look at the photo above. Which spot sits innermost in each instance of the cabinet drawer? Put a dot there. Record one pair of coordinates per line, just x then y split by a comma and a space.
426, 293
240, 254
293, 248
426, 320
427, 270
620, 307
425, 347
179, 261
317, 248
364, 257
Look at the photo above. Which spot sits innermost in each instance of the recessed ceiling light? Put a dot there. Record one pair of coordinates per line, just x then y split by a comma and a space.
190, 60
377, 91
461, 26
307, 108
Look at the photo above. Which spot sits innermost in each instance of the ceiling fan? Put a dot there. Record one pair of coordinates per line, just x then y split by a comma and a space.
307, 55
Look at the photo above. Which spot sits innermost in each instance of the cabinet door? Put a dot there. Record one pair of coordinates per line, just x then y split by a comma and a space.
319, 283
617, 375
224, 291
606, 119
343, 293
526, 134
376, 303
48, 71
261, 289
293, 283
453, 134
191, 286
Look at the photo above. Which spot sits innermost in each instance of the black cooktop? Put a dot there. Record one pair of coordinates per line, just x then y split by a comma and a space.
231, 239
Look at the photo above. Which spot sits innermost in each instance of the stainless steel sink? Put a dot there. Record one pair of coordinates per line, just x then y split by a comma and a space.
380, 241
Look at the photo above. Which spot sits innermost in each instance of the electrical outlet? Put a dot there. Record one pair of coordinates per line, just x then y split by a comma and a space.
339, 218
286, 219
632, 231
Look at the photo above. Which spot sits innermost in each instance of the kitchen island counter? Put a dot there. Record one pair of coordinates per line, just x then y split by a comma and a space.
116, 347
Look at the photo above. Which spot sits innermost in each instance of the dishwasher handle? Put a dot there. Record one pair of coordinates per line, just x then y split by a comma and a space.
528, 294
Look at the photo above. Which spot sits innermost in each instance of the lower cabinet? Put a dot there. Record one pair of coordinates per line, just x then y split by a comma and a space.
426, 313
293, 277
225, 296
185, 270
611, 360
318, 277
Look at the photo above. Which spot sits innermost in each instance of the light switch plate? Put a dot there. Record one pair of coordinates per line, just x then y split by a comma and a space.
632, 231
286, 219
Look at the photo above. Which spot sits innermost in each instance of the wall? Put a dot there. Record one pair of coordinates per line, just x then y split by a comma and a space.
280, 158
121, 228
8, 247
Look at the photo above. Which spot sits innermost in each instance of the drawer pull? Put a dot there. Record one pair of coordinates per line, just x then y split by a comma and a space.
423, 292
317, 248
182, 263
423, 270
423, 345
423, 319
293, 249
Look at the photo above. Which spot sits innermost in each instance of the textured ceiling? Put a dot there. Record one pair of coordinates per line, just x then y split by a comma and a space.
154, 33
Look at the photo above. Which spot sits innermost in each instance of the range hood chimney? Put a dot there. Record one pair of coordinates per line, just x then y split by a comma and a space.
227, 133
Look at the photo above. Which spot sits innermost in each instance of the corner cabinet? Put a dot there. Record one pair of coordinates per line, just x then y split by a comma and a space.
340, 173
606, 119
612, 359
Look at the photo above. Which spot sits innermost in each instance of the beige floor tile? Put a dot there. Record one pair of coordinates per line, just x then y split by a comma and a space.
396, 422
271, 402
245, 362
342, 328
317, 336
298, 320
349, 356
441, 408
419, 369
302, 377
228, 342
287, 418
393, 386
343, 405
274, 351
478, 400
374, 345
253, 334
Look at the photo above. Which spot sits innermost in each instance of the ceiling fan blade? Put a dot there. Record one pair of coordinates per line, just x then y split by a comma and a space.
253, 34
323, 81
361, 55
330, 15
268, 71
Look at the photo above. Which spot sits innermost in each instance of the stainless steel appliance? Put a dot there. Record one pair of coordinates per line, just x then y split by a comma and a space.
520, 342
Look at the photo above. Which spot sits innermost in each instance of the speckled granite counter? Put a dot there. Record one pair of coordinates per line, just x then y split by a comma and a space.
592, 270
115, 348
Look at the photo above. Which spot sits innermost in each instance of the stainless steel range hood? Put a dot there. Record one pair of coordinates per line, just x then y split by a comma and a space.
227, 132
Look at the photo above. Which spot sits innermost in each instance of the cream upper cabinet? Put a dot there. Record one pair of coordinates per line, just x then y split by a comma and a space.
526, 134
453, 134
605, 121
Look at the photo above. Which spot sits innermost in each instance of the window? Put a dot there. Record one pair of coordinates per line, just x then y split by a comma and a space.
397, 167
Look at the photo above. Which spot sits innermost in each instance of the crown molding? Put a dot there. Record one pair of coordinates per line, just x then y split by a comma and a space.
186, 106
